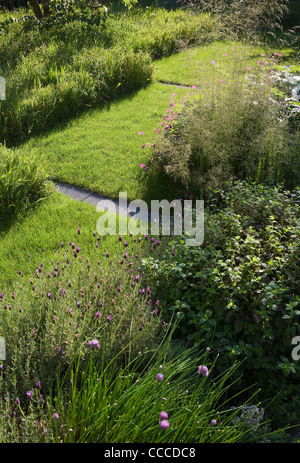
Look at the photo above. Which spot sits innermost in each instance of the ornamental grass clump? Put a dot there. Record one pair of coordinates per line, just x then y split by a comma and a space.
121, 405
233, 128
22, 183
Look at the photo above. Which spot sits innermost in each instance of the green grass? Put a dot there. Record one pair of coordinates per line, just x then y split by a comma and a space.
101, 150
54, 221
193, 66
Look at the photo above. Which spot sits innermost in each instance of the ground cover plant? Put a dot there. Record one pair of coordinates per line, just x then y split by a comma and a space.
240, 288
108, 367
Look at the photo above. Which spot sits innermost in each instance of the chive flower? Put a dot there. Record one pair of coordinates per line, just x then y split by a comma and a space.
203, 370
164, 424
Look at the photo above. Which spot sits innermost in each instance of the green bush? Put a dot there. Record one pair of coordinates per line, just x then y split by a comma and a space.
240, 289
22, 183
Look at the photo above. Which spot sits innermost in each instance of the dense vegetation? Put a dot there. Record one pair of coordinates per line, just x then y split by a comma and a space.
142, 338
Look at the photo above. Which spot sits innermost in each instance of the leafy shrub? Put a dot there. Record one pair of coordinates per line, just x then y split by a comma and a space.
240, 289
22, 183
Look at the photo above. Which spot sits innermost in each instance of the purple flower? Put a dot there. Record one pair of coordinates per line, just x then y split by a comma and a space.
49, 295
213, 422
164, 424
163, 416
38, 384
203, 370
94, 344
29, 394
78, 231
17, 400
108, 318
159, 377
55, 416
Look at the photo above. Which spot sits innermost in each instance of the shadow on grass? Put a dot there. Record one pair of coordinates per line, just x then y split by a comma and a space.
60, 124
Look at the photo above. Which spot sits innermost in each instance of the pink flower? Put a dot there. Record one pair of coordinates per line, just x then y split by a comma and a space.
142, 165
203, 370
159, 377
164, 424
248, 67
141, 133
213, 63
163, 416
225, 54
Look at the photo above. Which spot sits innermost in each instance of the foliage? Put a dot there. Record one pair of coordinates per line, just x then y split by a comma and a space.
246, 19
71, 299
240, 289
234, 128
160, 396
